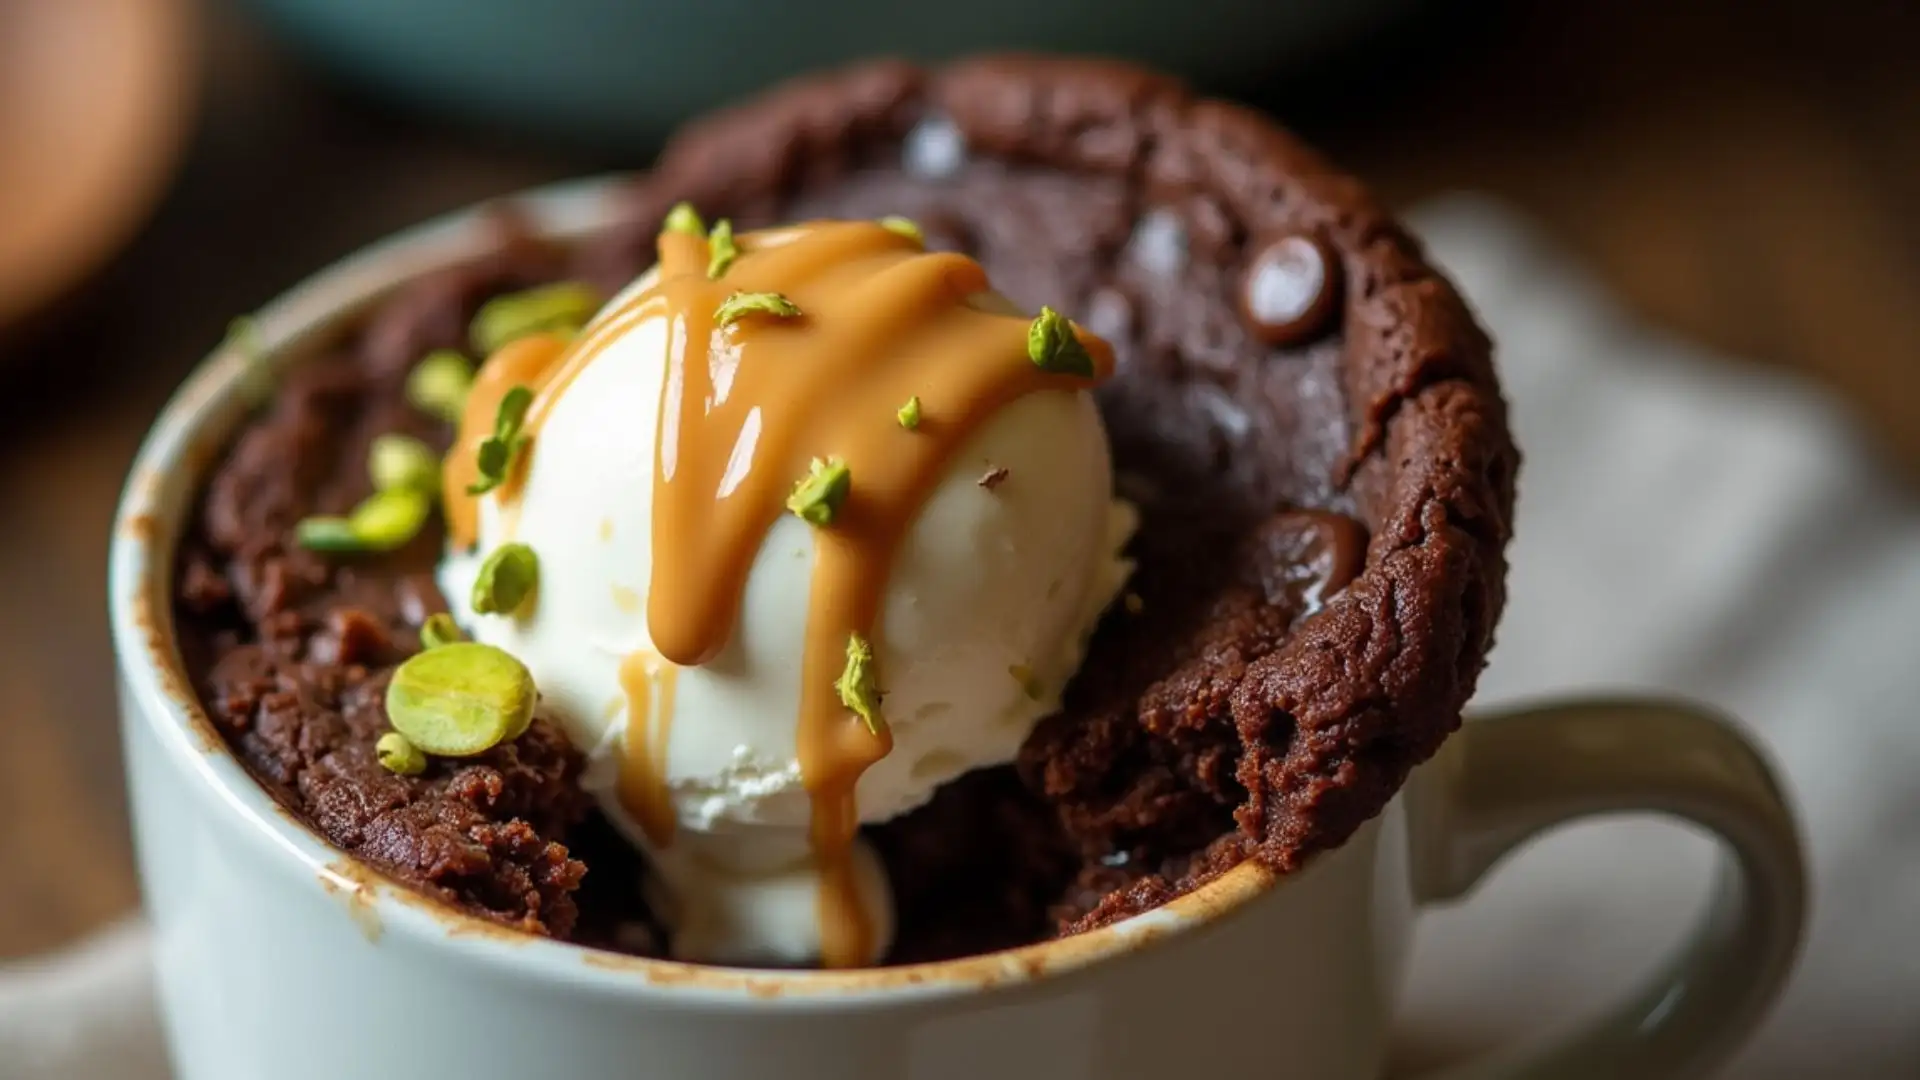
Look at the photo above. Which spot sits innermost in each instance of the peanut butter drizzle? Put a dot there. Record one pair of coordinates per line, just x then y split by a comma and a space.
643, 767
743, 410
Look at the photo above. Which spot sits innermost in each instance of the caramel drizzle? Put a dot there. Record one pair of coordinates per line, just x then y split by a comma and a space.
531, 362
743, 410
643, 766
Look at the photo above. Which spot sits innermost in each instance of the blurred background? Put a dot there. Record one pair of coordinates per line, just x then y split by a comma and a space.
1742, 172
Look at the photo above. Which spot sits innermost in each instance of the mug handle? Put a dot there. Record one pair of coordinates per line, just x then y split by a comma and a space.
1521, 773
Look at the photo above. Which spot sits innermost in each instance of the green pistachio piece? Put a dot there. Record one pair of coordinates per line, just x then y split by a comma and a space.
508, 577
438, 385
564, 307
1052, 346
909, 414
858, 686
438, 630
461, 699
397, 755
683, 218
327, 533
818, 497
742, 304
498, 450
496, 457
906, 227
403, 463
388, 519
721, 249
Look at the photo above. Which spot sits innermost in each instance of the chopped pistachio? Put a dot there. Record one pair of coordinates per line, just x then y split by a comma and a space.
1053, 346
438, 385
683, 218
461, 699
438, 630
1133, 603
327, 533
498, 450
993, 477
402, 462
495, 456
397, 755
858, 686
909, 414
818, 497
564, 306
385, 521
901, 226
721, 249
508, 577
1029, 682
390, 518
742, 304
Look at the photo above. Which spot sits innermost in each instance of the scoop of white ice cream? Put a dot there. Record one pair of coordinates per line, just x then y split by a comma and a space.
996, 587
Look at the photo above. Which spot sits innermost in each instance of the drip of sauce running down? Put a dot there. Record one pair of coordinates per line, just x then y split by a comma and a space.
743, 410
643, 768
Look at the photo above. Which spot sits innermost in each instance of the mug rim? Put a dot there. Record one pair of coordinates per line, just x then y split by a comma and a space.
189, 437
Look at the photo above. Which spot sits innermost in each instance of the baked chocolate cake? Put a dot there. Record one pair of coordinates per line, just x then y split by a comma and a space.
1303, 411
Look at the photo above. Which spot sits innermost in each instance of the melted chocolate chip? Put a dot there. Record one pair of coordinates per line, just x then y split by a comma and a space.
1159, 243
935, 149
1310, 555
1289, 290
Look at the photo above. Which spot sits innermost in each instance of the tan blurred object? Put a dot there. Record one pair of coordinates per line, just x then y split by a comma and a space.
94, 98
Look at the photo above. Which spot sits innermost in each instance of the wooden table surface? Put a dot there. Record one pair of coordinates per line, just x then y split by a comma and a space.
1746, 173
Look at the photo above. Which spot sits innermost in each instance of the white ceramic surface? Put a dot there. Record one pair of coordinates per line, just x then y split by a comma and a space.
280, 957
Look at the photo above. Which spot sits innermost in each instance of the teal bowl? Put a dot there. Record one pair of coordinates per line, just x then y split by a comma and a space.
625, 72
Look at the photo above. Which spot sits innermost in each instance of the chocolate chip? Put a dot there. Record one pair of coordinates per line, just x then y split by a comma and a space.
935, 149
1289, 290
1303, 558
1110, 315
1159, 243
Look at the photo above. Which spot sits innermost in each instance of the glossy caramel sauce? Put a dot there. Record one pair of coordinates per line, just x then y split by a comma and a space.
649, 684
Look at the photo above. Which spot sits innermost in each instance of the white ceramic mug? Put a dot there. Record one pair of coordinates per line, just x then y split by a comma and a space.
278, 956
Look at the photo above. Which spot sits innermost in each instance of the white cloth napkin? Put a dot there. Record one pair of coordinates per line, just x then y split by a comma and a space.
1684, 525
1691, 526
84, 1014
